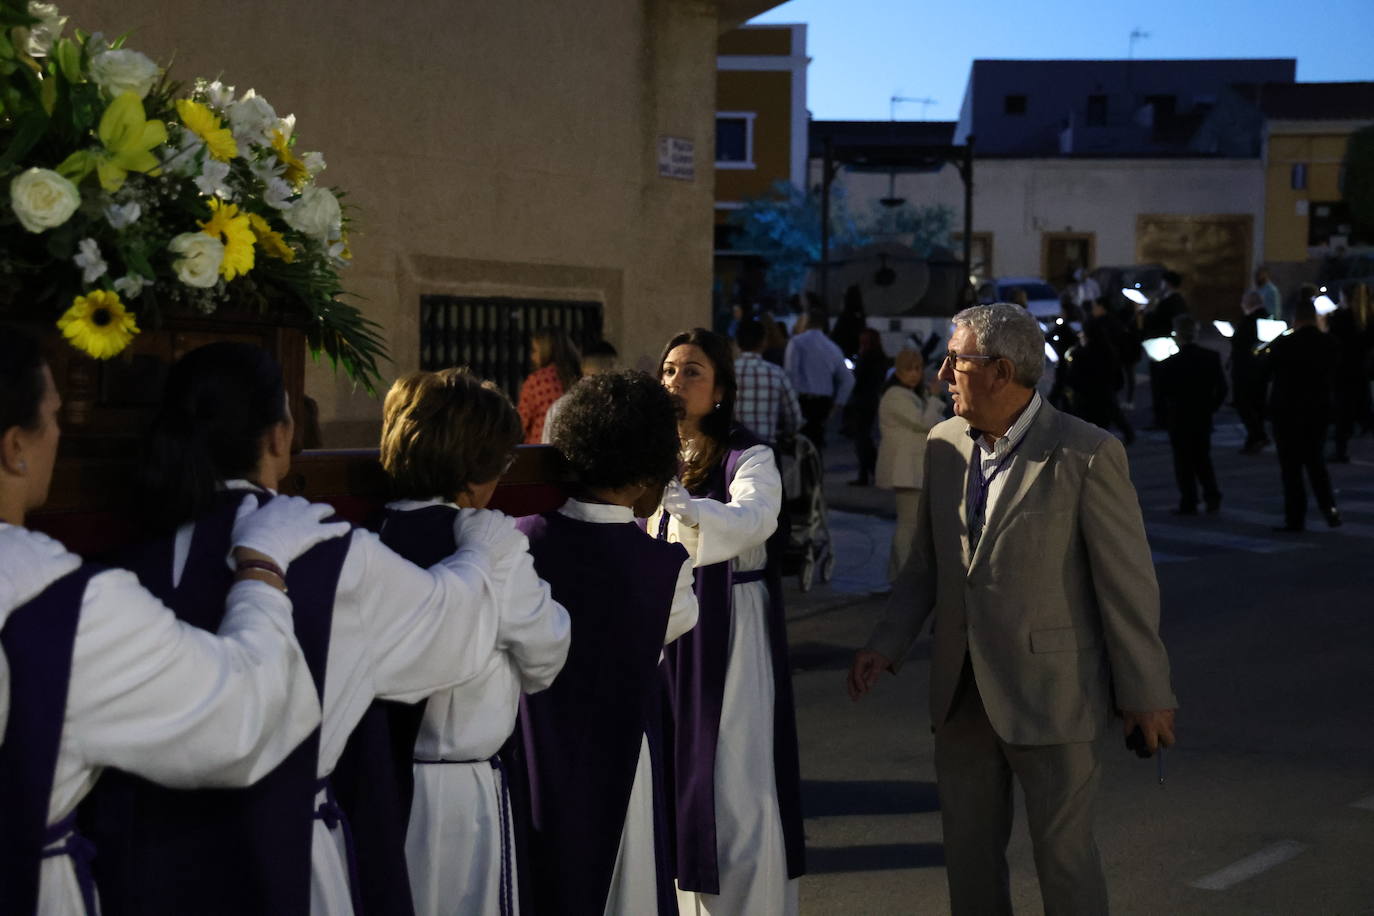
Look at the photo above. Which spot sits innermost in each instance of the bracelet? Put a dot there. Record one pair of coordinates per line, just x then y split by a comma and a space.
266, 566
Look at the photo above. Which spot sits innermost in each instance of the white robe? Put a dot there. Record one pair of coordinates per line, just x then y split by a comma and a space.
399, 632
454, 844
750, 850
157, 697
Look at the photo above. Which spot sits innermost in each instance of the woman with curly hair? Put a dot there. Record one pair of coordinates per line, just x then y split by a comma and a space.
447, 437
598, 841
557, 364
736, 774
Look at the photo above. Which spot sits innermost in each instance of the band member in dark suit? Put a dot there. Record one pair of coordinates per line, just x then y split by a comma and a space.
1247, 374
1158, 321
1191, 388
1302, 365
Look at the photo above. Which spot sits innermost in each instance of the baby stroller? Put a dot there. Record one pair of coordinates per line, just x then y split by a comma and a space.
808, 549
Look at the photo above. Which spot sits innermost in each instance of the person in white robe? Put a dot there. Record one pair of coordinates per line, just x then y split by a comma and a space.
750, 849
147, 693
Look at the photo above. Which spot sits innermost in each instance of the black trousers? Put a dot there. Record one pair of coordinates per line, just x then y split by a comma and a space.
815, 410
1247, 390
1193, 466
1301, 441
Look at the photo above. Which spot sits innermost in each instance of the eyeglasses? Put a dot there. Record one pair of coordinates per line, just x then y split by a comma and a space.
950, 358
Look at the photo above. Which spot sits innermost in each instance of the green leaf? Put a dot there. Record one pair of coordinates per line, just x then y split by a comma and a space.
6, 46
68, 57
28, 131
78, 165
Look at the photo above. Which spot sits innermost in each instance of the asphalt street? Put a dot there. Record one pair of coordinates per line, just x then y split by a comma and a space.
1268, 801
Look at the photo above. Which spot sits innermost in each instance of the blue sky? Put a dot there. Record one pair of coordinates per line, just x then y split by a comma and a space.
865, 51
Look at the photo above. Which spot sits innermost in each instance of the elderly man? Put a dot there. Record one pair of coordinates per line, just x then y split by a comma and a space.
1030, 553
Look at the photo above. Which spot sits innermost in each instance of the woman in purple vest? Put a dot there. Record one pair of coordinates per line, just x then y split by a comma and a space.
590, 744
737, 782
101, 674
371, 624
446, 440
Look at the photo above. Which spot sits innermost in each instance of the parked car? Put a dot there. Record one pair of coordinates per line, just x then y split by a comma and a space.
1042, 300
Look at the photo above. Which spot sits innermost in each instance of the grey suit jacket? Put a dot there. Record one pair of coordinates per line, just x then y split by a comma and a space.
1057, 609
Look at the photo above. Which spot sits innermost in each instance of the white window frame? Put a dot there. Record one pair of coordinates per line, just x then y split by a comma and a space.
748, 118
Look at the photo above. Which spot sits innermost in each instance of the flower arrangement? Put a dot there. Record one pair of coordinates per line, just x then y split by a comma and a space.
124, 197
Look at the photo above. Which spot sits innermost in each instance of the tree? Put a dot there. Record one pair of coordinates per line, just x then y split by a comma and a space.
1359, 181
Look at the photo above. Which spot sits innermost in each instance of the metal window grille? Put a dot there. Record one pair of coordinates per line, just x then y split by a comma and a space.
491, 336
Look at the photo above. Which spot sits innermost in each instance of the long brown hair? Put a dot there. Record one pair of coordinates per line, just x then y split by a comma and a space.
715, 426
561, 353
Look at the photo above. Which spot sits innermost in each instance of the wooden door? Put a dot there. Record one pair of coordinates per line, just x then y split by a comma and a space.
1063, 252
1212, 252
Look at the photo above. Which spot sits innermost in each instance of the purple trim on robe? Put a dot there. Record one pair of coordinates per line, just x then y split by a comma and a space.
217, 851
38, 639
694, 668
579, 740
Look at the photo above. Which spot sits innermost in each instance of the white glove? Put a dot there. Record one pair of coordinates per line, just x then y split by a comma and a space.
487, 529
678, 503
284, 527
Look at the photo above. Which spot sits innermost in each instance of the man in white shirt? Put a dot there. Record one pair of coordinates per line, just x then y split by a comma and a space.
819, 374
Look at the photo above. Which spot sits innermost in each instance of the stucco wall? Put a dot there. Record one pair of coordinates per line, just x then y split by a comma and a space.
493, 148
1019, 199
1321, 147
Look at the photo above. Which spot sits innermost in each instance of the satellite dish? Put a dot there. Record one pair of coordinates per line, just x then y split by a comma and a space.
891, 277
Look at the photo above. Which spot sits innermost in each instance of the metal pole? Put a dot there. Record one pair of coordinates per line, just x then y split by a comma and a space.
826, 175
968, 207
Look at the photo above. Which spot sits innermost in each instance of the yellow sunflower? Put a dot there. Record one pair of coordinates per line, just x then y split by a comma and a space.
235, 230
296, 172
271, 241
98, 324
205, 124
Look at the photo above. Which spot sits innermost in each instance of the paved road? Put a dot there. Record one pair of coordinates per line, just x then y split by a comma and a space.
1269, 801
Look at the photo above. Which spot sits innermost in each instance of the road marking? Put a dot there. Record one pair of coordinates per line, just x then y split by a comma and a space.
1365, 803
1357, 529
1213, 538
1250, 866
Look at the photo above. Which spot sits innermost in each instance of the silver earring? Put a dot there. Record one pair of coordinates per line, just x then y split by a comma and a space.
717, 405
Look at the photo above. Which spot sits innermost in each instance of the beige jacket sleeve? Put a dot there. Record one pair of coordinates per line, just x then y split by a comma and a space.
913, 593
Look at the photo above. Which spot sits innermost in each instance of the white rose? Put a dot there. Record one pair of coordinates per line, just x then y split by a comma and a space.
43, 199
201, 256
43, 33
316, 214
252, 119
120, 71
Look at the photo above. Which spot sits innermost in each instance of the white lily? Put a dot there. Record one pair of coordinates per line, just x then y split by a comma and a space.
122, 216
277, 194
212, 179
131, 285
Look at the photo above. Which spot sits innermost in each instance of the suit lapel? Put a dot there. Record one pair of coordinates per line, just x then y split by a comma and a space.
1031, 458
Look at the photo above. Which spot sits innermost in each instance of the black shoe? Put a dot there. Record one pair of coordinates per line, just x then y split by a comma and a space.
1333, 517
1184, 510
1214, 506
1288, 529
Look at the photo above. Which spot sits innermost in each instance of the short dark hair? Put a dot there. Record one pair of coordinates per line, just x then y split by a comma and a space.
617, 429
599, 356
818, 318
1305, 309
21, 379
1173, 278
442, 431
749, 334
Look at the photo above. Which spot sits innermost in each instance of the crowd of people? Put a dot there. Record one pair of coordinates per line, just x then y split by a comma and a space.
255, 707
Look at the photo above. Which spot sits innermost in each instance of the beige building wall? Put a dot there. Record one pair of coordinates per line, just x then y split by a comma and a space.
1020, 201
502, 149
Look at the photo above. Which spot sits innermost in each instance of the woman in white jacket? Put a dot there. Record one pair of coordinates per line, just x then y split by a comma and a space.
906, 414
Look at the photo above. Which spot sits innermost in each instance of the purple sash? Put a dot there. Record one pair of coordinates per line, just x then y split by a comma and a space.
38, 640
694, 668
579, 740
217, 851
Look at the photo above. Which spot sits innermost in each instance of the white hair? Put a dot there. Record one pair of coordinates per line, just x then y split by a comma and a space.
1009, 332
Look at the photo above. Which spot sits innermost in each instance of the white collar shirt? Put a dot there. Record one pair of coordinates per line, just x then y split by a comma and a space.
996, 459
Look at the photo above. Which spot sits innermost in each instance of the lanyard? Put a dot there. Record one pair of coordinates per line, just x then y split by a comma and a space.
982, 486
